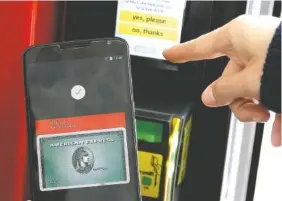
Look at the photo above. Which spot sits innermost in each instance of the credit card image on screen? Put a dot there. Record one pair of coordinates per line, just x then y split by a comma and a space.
81, 128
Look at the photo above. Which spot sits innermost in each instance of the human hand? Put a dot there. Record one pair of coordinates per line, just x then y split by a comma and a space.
245, 40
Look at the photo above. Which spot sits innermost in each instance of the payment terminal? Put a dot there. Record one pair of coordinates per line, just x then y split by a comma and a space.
163, 128
163, 141
166, 95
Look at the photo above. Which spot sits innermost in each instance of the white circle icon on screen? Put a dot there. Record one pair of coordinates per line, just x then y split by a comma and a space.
78, 92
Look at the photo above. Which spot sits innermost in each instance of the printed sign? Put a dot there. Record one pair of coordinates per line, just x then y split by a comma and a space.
78, 158
150, 26
150, 165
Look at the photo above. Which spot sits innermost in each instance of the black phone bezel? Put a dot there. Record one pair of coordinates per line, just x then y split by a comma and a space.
100, 48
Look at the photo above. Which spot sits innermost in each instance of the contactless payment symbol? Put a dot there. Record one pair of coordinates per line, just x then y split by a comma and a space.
150, 165
78, 92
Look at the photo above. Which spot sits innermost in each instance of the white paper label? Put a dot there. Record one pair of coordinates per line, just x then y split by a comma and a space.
150, 26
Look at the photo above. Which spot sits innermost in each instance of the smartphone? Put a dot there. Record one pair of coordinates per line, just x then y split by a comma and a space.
81, 122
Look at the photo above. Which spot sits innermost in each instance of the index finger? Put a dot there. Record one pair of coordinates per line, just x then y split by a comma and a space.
207, 46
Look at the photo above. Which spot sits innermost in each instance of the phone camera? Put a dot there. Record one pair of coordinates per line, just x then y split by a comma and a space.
108, 58
109, 42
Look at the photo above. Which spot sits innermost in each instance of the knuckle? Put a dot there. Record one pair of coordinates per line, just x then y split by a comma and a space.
219, 91
237, 108
243, 118
251, 82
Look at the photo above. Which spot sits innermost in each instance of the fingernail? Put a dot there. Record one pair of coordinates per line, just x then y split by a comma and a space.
260, 119
165, 50
169, 48
208, 97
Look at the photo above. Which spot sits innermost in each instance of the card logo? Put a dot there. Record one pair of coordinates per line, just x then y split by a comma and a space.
79, 152
83, 160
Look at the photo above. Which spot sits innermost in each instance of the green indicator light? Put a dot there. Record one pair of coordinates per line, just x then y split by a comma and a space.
149, 131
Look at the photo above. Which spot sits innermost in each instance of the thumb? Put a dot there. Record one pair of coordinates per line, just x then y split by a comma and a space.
226, 89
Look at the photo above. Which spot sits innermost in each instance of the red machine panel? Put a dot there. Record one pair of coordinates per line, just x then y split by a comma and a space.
22, 24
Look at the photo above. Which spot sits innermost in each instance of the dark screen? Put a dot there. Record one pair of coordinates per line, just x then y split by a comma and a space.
105, 83
106, 80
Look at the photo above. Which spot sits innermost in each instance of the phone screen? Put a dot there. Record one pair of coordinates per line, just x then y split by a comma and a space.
82, 136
